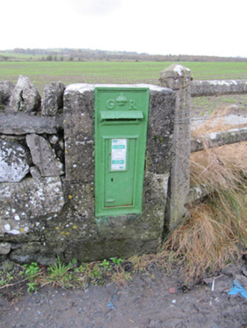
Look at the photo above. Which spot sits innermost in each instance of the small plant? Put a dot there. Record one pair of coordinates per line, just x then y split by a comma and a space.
96, 273
116, 260
31, 269
59, 273
3, 282
105, 264
32, 287
9, 277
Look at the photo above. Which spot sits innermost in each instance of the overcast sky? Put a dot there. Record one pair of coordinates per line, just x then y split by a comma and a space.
193, 27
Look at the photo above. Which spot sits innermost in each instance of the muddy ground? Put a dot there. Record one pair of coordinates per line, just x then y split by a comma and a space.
152, 299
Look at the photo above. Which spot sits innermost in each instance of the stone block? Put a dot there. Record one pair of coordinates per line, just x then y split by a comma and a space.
178, 78
14, 161
5, 248
25, 97
79, 134
175, 77
33, 252
21, 123
31, 198
44, 156
52, 99
6, 89
160, 131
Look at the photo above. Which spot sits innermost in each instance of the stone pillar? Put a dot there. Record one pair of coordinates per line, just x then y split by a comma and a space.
178, 78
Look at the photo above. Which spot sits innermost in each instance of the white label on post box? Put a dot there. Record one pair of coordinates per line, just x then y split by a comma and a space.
118, 154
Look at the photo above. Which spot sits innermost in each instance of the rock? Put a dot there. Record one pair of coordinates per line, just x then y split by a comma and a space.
53, 139
61, 144
25, 97
27, 199
6, 89
172, 290
16, 228
14, 161
33, 252
21, 123
52, 99
3, 258
44, 156
8, 266
5, 248
35, 173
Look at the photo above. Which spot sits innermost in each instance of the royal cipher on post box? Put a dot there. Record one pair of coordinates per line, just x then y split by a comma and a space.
121, 117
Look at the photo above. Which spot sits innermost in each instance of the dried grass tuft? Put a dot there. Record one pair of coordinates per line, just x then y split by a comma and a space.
216, 229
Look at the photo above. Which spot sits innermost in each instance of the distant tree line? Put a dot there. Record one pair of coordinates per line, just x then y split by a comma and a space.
103, 55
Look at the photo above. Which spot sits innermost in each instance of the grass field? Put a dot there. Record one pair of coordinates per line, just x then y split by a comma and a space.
43, 73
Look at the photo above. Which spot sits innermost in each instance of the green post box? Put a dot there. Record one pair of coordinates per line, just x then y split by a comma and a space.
121, 116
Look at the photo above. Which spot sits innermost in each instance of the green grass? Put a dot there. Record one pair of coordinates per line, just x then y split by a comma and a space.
43, 73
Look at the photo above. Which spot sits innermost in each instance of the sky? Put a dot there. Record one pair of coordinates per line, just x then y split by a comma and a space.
190, 27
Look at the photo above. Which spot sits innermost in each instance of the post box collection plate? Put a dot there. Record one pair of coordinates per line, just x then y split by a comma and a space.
121, 117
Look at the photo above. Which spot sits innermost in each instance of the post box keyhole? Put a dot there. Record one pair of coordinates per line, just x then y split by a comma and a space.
111, 179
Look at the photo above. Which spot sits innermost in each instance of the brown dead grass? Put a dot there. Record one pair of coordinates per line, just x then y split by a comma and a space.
215, 122
216, 229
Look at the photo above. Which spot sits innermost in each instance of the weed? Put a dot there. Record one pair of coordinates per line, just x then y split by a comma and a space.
59, 273
3, 282
105, 264
32, 287
9, 277
229, 99
96, 273
121, 277
31, 269
116, 260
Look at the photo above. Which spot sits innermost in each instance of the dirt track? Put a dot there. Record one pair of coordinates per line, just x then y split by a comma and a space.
144, 303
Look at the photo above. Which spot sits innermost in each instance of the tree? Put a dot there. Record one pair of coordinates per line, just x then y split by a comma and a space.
5, 58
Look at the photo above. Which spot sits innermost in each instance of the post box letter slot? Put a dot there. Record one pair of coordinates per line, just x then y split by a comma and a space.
118, 115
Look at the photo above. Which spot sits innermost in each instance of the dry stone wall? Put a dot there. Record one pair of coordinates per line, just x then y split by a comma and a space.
218, 87
47, 198
47, 176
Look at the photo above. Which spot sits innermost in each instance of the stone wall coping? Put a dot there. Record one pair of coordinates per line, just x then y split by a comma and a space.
83, 87
218, 87
221, 82
218, 139
175, 70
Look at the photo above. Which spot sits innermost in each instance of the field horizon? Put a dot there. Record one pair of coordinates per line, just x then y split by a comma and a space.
43, 73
